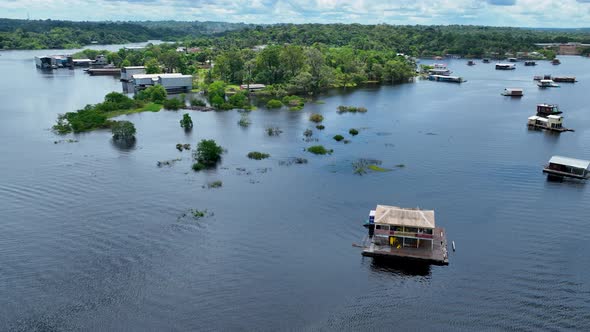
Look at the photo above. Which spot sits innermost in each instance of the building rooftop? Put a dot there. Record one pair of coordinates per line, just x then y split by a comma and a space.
134, 67
397, 216
577, 163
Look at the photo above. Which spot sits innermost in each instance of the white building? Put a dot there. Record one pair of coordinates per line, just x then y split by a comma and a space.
128, 72
171, 82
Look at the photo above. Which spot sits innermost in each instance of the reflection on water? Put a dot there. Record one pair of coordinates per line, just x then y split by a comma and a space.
124, 144
400, 267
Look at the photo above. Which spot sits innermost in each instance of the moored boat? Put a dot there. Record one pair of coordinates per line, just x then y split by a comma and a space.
513, 92
505, 66
530, 63
547, 109
555, 61
565, 79
446, 78
547, 84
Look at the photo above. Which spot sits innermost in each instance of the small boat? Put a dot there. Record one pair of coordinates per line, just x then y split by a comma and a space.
471, 63
513, 92
512, 59
530, 63
439, 71
561, 167
547, 84
486, 60
545, 110
505, 66
446, 78
555, 61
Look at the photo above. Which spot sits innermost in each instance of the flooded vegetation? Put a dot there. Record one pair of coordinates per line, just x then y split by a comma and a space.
144, 243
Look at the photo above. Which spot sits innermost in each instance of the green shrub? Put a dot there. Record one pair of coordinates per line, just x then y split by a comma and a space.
123, 130
239, 100
274, 103
353, 132
156, 94
295, 108
173, 104
338, 138
316, 118
319, 149
294, 101
186, 122
258, 155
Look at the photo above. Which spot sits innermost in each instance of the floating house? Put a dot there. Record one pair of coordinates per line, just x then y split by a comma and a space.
54, 61
530, 63
128, 72
513, 92
547, 84
486, 60
252, 87
565, 79
405, 233
551, 122
559, 166
512, 59
81, 62
171, 82
505, 66
44, 62
445, 78
555, 61
104, 70
471, 63
439, 71
545, 110
539, 77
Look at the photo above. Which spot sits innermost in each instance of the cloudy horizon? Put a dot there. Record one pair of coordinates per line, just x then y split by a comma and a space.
518, 13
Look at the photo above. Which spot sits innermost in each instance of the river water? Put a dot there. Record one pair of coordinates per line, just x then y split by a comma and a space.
95, 236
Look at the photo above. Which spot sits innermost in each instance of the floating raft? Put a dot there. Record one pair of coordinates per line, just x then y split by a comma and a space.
438, 255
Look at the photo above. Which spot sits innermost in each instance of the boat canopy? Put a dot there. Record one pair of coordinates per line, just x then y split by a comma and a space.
397, 216
576, 163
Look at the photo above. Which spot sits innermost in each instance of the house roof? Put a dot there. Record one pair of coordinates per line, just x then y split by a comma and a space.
577, 163
397, 216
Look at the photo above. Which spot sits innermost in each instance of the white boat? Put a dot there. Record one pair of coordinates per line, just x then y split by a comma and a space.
513, 92
547, 84
505, 66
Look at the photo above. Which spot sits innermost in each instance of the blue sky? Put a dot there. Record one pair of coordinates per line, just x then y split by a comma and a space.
529, 13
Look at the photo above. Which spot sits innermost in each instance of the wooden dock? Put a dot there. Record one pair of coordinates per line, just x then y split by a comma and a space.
438, 255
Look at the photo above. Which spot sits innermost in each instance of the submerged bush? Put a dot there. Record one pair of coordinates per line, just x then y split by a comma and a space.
320, 127
338, 138
308, 133
258, 155
186, 122
273, 131
319, 149
123, 130
244, 121
351, 109
316, 118
353, 132
208, 153
215, 184
274, 103
198, 167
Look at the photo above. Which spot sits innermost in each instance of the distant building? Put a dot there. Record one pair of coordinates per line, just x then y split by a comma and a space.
252, 87
171, 82
571, 48
128, 72
259, 48
181, 49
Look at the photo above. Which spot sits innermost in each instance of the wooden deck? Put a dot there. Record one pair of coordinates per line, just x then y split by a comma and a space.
563, 174
559, 130
438, 255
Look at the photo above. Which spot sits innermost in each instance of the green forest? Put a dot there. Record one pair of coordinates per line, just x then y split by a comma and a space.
415, 40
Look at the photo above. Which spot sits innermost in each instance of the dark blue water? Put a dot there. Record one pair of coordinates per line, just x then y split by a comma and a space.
92, 235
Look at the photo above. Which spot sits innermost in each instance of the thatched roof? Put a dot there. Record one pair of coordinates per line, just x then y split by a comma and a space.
397, 216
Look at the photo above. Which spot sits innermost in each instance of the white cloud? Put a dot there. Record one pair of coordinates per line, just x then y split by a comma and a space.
530, 13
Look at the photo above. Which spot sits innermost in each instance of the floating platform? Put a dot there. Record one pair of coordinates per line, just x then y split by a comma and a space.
559, 130
437, 255
104, 71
